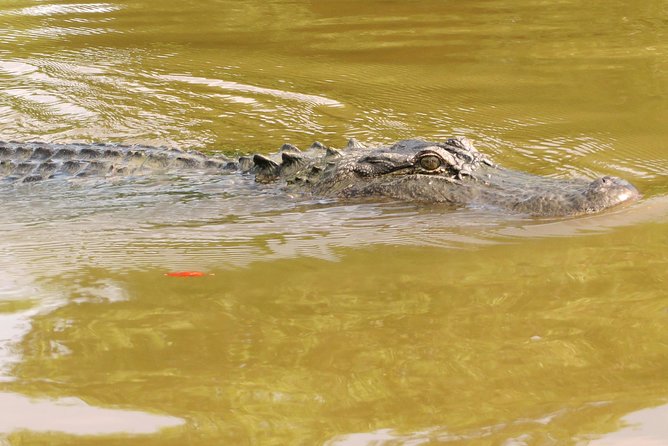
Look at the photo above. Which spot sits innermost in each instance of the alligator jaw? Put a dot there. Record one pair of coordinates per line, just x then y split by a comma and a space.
564, 198
610, 191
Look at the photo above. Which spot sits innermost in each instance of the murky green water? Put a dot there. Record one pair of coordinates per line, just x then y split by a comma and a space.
333, 323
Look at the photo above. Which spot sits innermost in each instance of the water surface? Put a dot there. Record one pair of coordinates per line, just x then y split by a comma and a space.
321, 322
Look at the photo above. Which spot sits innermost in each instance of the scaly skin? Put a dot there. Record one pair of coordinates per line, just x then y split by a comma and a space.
411, 170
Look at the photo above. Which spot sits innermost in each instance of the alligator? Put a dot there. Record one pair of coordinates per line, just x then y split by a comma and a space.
451, 171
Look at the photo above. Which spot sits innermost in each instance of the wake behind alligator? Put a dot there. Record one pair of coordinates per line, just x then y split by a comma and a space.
413, 170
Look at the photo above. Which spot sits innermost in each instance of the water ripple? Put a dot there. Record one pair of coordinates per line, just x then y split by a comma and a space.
16, 68
235, 86
85, 8
203, 221
55, 104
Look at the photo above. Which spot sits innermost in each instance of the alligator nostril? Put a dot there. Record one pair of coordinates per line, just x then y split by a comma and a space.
607, 180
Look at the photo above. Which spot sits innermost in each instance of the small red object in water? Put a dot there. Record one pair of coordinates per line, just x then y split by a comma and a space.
186, 274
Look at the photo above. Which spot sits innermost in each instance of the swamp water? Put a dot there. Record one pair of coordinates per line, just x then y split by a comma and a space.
320, 322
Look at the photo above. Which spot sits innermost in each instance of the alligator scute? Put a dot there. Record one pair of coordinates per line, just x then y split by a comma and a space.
451, 171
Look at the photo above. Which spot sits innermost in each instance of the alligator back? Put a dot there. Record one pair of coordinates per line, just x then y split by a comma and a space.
36, 161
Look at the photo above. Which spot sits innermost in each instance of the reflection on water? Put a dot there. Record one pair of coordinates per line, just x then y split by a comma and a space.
643, 428
321, 307
322, 322
73, 416
55, 9
532, 339
235, 86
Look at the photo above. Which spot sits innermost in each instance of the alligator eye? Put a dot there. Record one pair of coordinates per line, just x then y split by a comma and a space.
430, 162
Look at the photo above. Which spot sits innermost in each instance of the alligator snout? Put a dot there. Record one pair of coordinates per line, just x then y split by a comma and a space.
610, 191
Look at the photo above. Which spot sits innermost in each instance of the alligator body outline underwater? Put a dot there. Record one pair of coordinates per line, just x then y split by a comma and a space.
452, 171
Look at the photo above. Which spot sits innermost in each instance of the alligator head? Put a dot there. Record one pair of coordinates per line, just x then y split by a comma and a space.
450, 172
